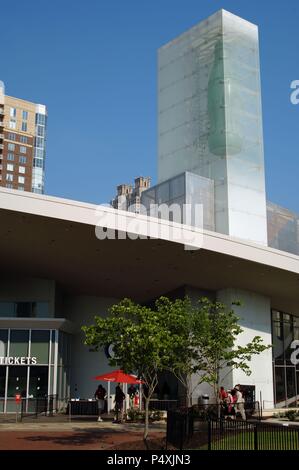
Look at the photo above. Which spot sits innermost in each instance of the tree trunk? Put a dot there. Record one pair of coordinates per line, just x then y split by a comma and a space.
189, 391
189, 399
146, 423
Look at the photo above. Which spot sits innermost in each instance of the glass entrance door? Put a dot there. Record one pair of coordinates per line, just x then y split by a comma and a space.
17, 384
2, 387
38, 389
38, 381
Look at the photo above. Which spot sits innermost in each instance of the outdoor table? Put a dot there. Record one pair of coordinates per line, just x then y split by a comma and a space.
83, 408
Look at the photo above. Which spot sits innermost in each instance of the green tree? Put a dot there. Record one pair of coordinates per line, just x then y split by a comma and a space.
144, 340
184, 338
212, 352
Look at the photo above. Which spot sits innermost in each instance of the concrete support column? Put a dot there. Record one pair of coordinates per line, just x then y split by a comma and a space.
255, 320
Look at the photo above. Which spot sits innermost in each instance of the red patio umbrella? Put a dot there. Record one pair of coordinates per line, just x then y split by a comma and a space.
118, 376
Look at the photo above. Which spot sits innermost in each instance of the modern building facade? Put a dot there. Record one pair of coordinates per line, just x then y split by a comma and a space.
210, 119
22, 143
57, 275
64, 262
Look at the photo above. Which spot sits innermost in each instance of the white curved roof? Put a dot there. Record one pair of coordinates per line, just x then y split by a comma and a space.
55, 238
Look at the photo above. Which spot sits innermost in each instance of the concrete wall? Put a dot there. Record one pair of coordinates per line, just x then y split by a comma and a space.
255, 319
81, 310
28, 290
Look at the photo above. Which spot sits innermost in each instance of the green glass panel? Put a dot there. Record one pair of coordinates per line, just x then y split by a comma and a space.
216, 103
40, 345
3, 342
2, 381
19, 343
7, 309
17, 381
38, 381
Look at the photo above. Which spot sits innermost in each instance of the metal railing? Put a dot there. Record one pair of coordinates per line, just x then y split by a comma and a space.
46, 406
238, 435
233, 411
163, 405
180, 427
183, 423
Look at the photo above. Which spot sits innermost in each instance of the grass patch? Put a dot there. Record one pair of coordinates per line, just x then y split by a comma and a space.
266, 440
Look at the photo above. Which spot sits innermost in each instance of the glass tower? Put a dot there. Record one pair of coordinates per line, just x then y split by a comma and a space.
210, 119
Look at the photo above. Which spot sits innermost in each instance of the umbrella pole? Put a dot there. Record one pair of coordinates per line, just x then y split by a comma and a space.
108, 402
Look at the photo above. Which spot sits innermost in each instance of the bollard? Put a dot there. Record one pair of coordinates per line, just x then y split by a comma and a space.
18, 401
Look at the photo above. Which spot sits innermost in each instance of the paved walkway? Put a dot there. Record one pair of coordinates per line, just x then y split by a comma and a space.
52, 434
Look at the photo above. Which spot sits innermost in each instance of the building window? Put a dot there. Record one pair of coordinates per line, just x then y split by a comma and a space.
10, 156
39, 153
9, 177
38, 163
9, 167
21, 169
24, 139
11, 136
23, 149
40, 345
21, 180
24, 126
22, 159
40, 131
19, 339
13, 112
25, 115
39, 142
21, 188
40, 119
12, 124
24, 309
285, 329
9, 185
3, 352
11, 146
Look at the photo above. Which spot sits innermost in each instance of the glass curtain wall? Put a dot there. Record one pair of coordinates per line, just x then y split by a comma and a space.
36, 376
285, 329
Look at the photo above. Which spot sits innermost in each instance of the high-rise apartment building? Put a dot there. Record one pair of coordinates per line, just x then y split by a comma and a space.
22, 143
128, 198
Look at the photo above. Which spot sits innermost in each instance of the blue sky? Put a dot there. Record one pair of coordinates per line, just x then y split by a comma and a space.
93, 64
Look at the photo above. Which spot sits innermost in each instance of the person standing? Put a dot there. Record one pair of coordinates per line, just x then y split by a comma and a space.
222, 394
131, 393
240, 402
119, 403
99, 395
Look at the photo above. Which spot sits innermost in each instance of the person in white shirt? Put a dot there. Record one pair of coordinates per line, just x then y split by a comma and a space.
240, 402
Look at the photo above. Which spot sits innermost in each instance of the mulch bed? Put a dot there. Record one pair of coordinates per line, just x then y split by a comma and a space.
81, 440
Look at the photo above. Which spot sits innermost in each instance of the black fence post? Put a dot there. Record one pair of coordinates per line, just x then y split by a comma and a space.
256, 447
209, 434
167, 426
182, 433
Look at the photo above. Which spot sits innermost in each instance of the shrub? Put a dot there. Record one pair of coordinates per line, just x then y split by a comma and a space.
156, 415
292, 415
134, 414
